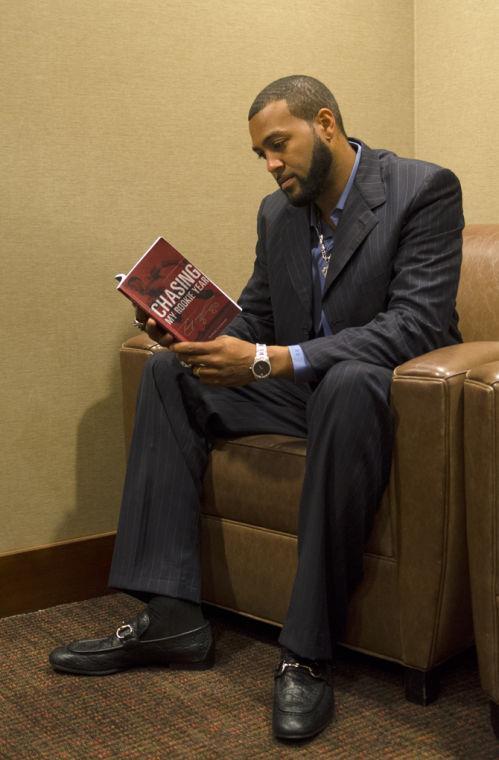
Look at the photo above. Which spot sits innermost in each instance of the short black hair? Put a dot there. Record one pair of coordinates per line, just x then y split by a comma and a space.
304, 95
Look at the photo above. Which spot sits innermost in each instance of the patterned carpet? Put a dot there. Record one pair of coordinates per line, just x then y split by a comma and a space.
222, 713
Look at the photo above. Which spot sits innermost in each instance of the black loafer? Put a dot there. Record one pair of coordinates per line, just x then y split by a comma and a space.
192, 650
303, 698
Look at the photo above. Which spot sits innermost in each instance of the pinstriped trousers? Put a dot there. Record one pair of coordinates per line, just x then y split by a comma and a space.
347, 421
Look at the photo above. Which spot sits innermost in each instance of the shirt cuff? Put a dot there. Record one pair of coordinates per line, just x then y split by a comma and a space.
301, 366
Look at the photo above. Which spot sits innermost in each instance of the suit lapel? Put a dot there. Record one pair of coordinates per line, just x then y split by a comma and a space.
357, 219
295, 248
356, 223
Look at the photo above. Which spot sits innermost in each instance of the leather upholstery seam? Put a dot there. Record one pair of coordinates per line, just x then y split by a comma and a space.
429, 378
241, 524
445, 531
154, 348
285, 534
486, 391
482, 384
493, 575
492, 417
244, 444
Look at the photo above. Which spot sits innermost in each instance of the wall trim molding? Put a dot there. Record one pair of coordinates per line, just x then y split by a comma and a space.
67, 571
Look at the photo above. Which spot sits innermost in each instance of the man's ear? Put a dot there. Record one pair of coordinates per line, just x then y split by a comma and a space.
325, 123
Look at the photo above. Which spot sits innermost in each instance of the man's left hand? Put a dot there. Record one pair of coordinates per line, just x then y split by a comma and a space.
223, 361
227, 361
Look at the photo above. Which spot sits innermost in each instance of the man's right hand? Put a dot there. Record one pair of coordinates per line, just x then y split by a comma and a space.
151, 327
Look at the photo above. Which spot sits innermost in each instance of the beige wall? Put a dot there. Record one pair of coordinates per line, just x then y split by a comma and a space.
457, 96
124, 120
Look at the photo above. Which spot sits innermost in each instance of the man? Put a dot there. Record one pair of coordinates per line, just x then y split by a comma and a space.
356, 271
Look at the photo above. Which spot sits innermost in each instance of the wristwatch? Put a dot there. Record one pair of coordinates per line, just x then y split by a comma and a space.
261, 365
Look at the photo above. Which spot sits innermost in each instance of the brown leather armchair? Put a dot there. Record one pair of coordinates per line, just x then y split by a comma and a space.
482, 496
413, 605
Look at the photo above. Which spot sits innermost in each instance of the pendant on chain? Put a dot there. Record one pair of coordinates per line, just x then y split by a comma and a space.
325, 256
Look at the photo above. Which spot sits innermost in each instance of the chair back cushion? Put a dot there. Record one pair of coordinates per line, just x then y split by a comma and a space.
478, 295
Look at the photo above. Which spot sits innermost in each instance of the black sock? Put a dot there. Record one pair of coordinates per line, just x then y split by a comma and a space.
170, 616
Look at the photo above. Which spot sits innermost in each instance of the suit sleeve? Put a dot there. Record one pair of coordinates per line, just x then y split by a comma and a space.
422, 291
256, 322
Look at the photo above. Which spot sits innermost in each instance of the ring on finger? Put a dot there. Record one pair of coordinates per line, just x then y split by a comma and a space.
196, 370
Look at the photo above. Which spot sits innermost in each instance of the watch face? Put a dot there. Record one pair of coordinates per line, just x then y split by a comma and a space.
261, 368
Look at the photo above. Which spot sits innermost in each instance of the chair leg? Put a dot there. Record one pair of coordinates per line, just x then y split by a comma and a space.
421, 686
494, 717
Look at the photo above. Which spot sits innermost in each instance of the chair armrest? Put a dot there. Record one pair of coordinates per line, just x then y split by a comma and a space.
141, 342
427, 401
481, 444
449, 361
486, 374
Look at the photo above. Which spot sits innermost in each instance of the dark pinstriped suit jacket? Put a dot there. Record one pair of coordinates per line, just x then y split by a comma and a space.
393, 277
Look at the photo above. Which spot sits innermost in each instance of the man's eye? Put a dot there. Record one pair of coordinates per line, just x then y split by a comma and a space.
277, 147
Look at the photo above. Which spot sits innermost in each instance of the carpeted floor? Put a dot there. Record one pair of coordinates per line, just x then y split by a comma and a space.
222, 713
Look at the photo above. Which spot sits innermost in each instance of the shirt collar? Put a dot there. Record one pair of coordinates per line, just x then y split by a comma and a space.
336, 213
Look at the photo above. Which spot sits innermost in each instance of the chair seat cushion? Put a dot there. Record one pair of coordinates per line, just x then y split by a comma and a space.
257, 480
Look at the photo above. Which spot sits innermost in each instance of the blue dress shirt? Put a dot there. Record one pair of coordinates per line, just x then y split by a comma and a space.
303, 372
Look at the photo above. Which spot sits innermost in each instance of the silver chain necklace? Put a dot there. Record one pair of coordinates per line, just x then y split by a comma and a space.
325, 256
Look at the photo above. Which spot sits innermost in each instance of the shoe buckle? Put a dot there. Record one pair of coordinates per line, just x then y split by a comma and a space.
285, 665
124, 631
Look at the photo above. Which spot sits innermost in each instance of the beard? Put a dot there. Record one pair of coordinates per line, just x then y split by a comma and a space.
314, 183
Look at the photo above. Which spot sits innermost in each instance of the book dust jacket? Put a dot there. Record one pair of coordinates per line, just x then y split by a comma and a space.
177, 295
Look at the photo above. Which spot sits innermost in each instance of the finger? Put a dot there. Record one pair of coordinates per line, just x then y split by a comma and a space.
140, 315
200, 359
154, 334
166, 340
195, 349
153, 325
203, 373
158, 334
152, 329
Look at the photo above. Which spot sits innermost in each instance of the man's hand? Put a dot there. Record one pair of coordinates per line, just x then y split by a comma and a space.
227, 361
152, 328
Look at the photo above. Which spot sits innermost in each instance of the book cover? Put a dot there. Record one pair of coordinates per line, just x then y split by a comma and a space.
177, 295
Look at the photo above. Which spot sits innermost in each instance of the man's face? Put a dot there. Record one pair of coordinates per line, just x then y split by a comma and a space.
297, 158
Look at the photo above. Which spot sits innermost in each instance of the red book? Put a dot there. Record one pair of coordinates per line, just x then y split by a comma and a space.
177, 295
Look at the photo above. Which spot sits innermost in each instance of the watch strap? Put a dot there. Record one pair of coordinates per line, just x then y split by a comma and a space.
261, 358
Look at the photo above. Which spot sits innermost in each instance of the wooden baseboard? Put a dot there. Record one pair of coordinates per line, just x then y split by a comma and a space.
64, 572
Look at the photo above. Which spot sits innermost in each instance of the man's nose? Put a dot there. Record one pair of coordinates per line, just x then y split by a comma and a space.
274, 163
